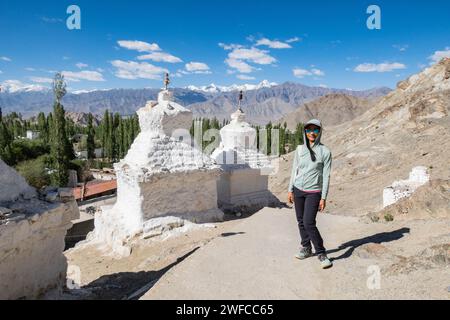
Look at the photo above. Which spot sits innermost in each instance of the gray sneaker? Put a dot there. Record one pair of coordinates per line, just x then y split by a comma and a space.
304, 253
324, 261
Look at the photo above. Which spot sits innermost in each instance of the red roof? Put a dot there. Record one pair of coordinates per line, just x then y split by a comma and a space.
93, 188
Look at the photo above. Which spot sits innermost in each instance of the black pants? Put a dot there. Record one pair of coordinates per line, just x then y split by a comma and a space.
306, 207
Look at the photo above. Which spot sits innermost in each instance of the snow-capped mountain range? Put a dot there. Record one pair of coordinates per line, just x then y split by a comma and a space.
15, 86
212, 88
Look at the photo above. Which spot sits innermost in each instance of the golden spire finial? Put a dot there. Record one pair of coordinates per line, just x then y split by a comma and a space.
241, 97
166, 81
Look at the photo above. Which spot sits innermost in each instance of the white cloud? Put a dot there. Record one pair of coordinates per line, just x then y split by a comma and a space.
300, 73
139, 46
5, 59
317, 72
254, 55
196, 66
193, 68
239, 65
230, 46
30, 69
401, 47
274, 44
160, 57
239, 58
137, 70
66, 58
381, 67
245, 77
438, 55
81, 65
323, 86
41, 79
1, 71
295, 39
83, 75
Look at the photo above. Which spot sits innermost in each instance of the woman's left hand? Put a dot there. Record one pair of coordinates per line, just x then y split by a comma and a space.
322, 204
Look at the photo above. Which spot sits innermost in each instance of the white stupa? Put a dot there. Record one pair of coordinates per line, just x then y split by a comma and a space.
162, 175
405, 188
244, 180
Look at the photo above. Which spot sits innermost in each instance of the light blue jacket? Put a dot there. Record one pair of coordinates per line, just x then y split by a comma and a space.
306, 174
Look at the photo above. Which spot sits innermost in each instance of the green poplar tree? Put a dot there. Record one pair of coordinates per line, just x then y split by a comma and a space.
61, 151
90, 141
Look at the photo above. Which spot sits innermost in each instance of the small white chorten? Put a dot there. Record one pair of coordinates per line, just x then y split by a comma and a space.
162, 175
244, 180
405, 188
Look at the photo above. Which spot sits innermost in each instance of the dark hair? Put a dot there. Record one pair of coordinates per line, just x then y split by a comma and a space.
311, 152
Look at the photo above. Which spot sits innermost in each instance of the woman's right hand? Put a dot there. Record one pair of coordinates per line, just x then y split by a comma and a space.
290, 197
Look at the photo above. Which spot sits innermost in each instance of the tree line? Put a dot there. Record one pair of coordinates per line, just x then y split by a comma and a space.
48, 159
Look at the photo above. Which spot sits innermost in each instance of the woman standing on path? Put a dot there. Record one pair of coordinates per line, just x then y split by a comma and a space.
308, 188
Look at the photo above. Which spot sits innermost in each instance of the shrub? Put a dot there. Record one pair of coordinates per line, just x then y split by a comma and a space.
35, 171
22, 150
388, 217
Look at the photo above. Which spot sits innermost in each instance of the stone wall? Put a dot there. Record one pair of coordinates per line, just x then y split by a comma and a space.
31, 249
32, 233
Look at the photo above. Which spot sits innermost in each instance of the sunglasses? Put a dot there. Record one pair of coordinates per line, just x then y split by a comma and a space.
316, 131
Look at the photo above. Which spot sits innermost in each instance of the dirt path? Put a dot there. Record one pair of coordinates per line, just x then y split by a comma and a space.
255, 261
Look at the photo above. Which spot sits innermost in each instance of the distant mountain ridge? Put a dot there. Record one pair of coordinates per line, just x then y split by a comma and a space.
331, 109
271, 104
262, 103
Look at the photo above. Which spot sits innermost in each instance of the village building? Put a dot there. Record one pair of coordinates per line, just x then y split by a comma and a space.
32, 135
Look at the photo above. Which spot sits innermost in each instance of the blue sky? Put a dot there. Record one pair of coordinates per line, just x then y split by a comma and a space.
130, 44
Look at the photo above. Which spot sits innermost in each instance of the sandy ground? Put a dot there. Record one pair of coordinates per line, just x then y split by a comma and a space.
256, 262
252, 258
105, 277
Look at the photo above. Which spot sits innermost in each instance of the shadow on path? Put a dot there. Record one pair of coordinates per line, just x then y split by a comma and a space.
229, 234
376, 238
125, 285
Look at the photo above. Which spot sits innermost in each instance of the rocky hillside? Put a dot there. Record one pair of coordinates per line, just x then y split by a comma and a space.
408, 127
331, 109
81, 118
